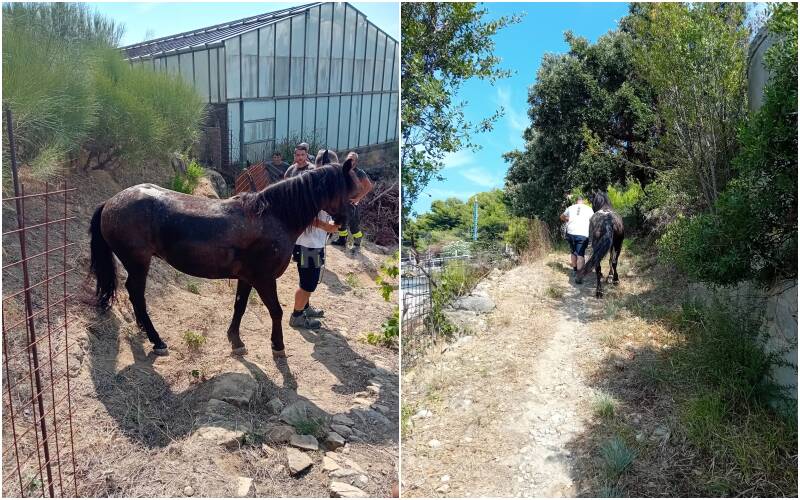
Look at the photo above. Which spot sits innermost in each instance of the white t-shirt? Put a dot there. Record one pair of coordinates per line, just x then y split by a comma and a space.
579, 215
315, 237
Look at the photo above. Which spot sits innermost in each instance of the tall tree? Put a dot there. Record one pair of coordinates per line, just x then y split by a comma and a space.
444, 44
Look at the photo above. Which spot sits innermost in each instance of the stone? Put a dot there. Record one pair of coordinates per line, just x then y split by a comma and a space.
334, 441
362, 401
297, 461
275, 405
445, 478
476, 303
304, 442
423, 413
373, 390
619, 365
329, 465
269, 450
277, 434
444, 488
299, 411
342, 430
660, 433
344, 490
244, 487
188, 491
220, 436
381, 408
362, 480
216, 179
343, 420
434, 443
233, 388
340, 473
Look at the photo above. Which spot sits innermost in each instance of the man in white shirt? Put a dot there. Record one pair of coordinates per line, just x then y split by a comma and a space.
309, 249
577, 217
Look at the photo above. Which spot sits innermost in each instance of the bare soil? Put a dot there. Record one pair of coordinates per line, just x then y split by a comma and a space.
135, 415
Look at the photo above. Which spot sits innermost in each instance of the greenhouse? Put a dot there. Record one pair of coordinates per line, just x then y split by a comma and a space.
319, 72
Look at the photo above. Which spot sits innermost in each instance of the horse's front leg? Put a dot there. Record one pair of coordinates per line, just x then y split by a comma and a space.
599, 291
242, 295
268, 291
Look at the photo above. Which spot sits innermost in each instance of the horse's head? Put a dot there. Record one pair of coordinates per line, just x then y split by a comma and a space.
600, 201
346, 187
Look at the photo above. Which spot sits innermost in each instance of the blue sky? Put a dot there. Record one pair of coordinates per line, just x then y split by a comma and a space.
521, 48
144, 21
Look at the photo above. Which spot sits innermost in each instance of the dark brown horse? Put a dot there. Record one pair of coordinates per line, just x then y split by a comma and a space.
606, 232
249, 237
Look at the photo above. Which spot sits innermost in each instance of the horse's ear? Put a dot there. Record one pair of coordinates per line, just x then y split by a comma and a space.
347, 165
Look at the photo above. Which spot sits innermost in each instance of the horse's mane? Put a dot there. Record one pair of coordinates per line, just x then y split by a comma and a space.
601, 201
297, 200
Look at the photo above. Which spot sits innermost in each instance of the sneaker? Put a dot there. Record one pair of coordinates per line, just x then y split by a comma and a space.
312, 312
303, 321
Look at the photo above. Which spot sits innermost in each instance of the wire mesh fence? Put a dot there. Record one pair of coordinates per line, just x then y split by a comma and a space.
38, 444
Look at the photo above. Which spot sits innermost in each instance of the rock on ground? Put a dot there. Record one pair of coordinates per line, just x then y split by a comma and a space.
344, 490
297, 460
305, 442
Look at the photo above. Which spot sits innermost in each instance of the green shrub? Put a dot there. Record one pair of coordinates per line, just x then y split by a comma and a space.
193, 288
603, 406
387, 276
187, 183
310, 426
617, 456
390, 331
194, 341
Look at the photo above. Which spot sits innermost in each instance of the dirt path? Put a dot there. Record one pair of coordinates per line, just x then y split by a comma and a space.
505, 404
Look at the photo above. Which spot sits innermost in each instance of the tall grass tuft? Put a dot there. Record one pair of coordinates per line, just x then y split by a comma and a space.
617, 456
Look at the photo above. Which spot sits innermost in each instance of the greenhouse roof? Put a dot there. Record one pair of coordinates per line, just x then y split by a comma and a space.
209, 35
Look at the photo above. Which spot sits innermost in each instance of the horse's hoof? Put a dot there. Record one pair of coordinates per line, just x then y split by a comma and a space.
163, 351
279, 354
239, 351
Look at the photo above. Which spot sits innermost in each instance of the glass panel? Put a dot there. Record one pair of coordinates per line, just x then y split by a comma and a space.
250, 64
187, 68
380, 56
296, 120
384, 118
324, 70
355, 118
298, 51
387, 67
349, 48
374, 121
222, 80
172, 65
258, 131
364, 125
322, 120
361, 40
258, 110
259, 151
396, 67
344, 119
369, 62
214, 75
392, 135
282, 57
159, 63
232, 67
312, 38
233, 132
309, 108
266, 61
201, 73
337, 46
333, 123
281, 120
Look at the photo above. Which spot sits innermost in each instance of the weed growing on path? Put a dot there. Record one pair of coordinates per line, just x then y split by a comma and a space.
603, 406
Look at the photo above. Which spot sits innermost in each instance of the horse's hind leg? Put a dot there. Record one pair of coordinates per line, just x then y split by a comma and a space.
243, 290
599, 291
614, 259
136, 284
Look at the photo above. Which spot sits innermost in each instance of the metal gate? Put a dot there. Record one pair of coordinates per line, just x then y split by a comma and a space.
38, 444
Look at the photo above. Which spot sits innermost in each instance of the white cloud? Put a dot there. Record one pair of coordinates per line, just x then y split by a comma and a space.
479, 176
516, 120
458, 159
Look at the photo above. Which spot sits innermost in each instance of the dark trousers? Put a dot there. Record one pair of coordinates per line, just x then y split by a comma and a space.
353, 224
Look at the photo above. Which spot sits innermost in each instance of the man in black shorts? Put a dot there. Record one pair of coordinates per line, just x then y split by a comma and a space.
353, 221
577, 217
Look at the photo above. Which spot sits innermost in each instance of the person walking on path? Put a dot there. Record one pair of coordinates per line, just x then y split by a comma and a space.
577, 217
353, 220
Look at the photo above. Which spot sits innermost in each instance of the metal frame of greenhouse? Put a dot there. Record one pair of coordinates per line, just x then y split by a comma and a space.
321, 72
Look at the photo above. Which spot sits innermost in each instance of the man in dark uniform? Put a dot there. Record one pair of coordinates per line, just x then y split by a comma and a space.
365, 186
277, 168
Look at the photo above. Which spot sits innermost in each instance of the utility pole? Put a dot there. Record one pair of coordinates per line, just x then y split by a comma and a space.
475, 219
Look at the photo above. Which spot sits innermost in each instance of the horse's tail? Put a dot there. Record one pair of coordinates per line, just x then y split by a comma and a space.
102, 263
600, 246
